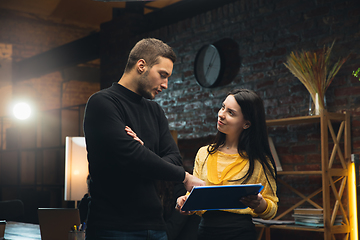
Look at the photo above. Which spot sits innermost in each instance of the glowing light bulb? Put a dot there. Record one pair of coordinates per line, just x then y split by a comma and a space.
22, 111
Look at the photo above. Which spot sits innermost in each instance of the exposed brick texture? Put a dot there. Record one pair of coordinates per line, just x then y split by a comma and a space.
266, 32
29, 37
263, 47
27, 176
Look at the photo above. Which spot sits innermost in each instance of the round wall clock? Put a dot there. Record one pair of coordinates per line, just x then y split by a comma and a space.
208, 66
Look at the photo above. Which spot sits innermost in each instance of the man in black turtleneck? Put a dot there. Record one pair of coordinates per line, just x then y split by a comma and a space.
125, 164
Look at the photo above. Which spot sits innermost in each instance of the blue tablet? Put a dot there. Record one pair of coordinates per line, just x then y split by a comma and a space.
219, 197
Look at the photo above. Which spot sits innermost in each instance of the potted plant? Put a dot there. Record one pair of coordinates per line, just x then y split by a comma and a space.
313, 70
356, 73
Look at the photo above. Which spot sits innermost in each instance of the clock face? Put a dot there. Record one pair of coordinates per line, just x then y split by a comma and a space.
208, 66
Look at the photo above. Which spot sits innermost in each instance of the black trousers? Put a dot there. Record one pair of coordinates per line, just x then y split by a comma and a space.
221, 225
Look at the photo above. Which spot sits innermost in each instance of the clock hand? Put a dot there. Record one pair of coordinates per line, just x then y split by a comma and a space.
211, 63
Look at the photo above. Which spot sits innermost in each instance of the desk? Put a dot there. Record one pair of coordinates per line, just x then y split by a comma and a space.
22, 231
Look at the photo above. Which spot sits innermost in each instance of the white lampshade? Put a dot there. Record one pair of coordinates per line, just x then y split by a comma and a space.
76, 168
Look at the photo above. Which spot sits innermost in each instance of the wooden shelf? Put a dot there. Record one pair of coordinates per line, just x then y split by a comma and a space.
291, 227
299, 172
329, 174
305, 119
293, 120
335, 229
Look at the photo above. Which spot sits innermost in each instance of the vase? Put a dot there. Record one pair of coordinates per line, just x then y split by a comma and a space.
315, 106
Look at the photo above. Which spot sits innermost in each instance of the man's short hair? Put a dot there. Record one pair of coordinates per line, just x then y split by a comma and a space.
149, 49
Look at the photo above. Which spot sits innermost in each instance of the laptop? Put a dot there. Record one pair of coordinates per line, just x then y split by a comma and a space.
56, 223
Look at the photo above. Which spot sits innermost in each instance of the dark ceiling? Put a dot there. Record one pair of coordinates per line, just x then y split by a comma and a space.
149, 15
84, 13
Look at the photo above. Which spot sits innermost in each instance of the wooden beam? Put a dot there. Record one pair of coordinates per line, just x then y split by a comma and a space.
87, 48
68, 55
179, 11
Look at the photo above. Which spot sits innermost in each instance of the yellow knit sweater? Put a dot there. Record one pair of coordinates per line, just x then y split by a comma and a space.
223, 161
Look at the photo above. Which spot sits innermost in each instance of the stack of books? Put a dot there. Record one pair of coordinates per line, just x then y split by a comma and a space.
313, 217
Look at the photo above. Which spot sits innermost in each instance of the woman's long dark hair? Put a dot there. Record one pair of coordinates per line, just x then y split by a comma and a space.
254, 140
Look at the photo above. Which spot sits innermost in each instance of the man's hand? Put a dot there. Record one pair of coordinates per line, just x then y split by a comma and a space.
190, 181
131, 133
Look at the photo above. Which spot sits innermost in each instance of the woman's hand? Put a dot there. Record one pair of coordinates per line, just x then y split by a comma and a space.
179, 203
131, 133
256, 202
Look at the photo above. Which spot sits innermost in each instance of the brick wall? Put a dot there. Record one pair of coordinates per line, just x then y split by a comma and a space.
29, 170
29, 37
266, 33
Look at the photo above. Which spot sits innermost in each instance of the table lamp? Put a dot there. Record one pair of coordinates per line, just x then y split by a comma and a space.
76, 169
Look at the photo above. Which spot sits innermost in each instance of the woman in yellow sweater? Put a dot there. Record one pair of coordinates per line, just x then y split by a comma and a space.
240, 154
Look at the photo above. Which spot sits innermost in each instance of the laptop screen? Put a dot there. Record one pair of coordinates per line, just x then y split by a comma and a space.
56, 223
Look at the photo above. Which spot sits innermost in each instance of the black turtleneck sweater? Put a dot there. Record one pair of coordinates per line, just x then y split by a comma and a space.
124, 172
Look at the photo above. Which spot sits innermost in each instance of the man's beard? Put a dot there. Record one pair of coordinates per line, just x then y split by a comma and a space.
144, 85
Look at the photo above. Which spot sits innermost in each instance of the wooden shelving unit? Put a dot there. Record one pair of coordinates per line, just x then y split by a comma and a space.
344, 176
